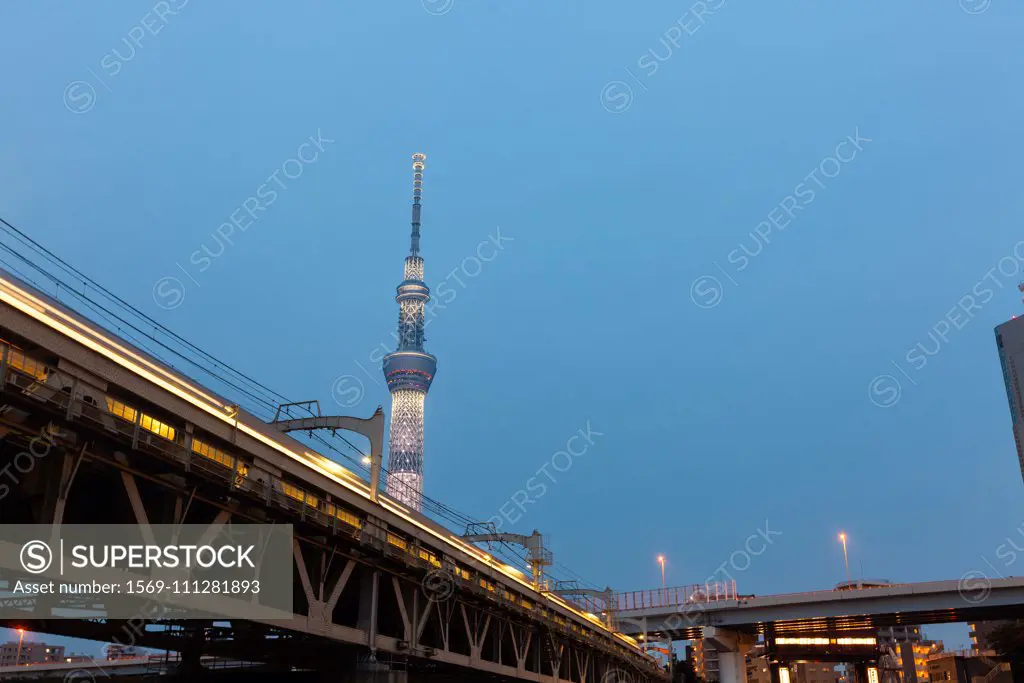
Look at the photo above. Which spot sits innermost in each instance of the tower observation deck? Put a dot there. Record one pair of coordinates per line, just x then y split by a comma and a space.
409, 370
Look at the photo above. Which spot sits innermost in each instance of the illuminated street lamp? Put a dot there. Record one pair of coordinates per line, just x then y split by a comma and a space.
21, 637
846, 558
661, 561
367, 460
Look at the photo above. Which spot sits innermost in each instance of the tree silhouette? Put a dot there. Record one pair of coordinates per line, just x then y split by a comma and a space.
1008, 641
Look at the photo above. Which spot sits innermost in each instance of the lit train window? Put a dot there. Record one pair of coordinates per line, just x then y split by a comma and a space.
344, 515
147, 422
121, 410
298, 494
397, 541
348, 517
151, 424
212, 453
17, 359
429, 557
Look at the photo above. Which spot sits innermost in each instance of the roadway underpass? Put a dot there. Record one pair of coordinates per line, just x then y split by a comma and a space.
827, 625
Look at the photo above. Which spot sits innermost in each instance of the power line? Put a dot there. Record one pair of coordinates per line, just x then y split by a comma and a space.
102, 311
56, 260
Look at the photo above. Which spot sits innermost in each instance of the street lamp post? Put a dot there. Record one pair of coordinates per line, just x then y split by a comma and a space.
846, 558
661, 561
21, 638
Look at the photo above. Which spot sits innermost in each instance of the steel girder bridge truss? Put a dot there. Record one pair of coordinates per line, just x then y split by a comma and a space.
360, 599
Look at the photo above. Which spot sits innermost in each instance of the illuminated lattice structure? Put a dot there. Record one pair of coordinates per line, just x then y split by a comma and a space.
409, 370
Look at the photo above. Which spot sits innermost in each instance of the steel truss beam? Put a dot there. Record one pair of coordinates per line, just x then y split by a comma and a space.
415, 625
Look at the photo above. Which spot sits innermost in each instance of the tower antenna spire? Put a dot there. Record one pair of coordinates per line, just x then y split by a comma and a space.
417, 192
409, 369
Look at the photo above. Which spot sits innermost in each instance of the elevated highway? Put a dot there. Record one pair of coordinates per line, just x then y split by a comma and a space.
685, 612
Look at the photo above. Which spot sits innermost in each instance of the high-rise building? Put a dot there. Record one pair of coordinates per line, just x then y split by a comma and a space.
705, 660
911, 650
1010, 342
913, 659
409, 370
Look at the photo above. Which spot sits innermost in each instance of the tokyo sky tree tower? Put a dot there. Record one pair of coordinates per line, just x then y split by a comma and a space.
409, 370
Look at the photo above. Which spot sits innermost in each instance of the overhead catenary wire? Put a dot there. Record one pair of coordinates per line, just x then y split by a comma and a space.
99, 310
110, 316
68, 268
263, 406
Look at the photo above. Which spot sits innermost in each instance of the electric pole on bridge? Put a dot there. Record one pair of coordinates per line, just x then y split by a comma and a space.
372, 428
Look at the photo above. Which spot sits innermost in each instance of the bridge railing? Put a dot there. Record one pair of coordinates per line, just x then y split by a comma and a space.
675, 596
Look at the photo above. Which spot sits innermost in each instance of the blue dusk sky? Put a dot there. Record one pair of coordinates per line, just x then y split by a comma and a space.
755, 250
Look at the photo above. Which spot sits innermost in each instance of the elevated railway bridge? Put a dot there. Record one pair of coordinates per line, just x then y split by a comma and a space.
95, 431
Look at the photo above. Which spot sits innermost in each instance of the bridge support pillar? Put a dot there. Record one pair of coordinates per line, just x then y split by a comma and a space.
368, 603
190, 664
379, 677
732, 648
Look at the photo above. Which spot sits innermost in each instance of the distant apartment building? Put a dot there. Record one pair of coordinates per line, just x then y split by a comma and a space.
814, 672
1010, 344
968, 667
705, 660
913, 659
981, 633
29, 653
757, 670
911, 649
802, 672
900, 634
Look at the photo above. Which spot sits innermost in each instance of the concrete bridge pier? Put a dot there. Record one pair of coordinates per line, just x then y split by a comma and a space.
384, 677
732, 648
190, 666
860, 672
